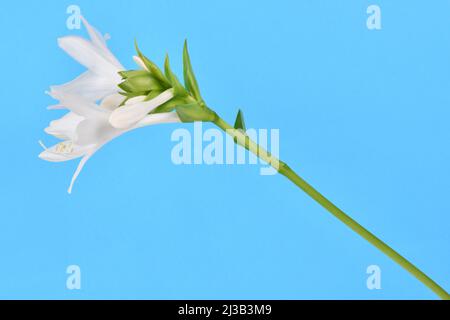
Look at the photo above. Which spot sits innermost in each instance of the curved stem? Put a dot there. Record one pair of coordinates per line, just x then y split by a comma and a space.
242, 139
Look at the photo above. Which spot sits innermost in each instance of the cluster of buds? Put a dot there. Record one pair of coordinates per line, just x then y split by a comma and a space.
151, 82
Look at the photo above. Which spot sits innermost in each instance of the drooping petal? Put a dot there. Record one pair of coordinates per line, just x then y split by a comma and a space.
89, 56
157, 118
79, 168
89, 85
99, 41
87, 156
128, 115
65, 127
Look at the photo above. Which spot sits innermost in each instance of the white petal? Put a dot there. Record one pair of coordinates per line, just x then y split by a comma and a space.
95, 131
111, 102
88, 85
168, 117
56, 107
65, 127
79, 168
129, 115
90, 56
96, 37
99, 41
135, 100
157, 118
78, 104
83, 161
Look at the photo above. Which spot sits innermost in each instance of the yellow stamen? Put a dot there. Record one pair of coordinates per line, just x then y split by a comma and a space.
64, 147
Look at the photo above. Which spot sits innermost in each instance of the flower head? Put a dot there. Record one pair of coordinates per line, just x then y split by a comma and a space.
107, 101
88, 125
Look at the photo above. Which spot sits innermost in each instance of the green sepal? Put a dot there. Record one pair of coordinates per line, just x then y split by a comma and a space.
152, 94
240, 123
189, 78
152, 67
194, 112
179, 90
133, 73
170, 105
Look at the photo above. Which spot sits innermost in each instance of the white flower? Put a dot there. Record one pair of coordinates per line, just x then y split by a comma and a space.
101, 78
89, 126
86, 128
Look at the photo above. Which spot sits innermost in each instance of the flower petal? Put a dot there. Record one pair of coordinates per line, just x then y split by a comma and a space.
90, 56
65, 127
99, 41
135, 100
88, 85
79, 168
112, 101
56, 107
129, 115
157, 118
77, 104
93, 131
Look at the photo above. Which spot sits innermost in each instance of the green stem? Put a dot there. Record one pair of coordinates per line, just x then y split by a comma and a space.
242, 139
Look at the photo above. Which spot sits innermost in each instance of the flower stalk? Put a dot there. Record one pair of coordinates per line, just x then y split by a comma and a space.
286, 171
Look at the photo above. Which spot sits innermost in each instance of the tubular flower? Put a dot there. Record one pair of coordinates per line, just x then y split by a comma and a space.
86, 128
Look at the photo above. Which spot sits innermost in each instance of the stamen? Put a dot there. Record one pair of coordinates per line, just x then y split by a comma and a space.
42, 144
64, 147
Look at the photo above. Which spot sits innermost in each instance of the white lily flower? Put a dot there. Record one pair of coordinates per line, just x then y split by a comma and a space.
101, 78
86, 128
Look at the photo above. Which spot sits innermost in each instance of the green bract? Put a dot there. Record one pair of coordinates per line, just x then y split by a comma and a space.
195, 112
151, 67
151, 82
240, 123
189, 77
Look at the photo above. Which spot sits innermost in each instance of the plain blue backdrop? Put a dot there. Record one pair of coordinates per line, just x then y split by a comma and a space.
363, 115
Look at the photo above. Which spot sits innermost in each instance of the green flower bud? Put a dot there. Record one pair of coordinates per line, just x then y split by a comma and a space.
141, 83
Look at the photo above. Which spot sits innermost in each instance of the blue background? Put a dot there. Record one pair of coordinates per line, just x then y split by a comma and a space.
363, 116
